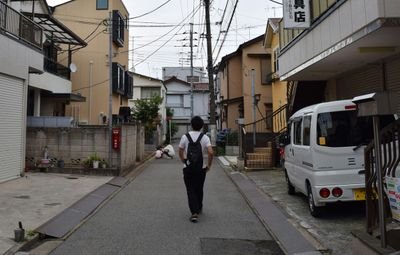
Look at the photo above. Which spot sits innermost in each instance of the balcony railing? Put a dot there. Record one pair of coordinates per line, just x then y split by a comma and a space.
18, 26
56, 68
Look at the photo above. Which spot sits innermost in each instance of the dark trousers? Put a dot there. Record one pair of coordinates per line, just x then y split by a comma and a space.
194, 182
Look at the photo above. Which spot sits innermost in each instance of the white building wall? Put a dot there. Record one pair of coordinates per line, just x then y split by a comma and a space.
349, 18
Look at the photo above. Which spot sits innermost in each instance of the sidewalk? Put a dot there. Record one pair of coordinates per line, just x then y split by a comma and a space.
38, 197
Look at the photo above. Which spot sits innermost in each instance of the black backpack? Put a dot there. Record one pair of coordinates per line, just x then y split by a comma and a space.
194, 154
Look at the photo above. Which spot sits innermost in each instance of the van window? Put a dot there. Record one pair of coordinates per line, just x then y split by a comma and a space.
341, 129
297, 131
306, 130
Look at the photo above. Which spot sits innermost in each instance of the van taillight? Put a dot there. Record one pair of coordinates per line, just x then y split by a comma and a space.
350, 107
337, 192
324, 192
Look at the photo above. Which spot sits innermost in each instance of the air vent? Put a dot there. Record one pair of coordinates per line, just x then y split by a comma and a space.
351, 161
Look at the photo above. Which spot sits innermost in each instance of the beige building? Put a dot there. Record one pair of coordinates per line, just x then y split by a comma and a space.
244, 91
279, 88
90, 20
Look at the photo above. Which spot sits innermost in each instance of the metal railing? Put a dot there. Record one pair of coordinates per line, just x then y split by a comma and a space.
390, 159
18, 26
56, 68
263, 133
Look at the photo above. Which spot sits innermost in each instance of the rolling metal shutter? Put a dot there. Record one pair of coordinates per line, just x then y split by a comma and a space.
12, 127
360, 82
393, 79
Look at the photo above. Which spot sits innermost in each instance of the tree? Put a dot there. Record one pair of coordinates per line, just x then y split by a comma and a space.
146, 110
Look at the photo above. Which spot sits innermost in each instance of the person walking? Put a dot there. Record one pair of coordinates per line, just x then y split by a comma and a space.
193, 146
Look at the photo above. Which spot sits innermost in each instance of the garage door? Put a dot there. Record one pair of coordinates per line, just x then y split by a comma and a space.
11, 127
393, 80
360, 82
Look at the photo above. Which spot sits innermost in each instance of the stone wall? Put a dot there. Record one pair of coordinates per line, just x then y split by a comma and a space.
75, 145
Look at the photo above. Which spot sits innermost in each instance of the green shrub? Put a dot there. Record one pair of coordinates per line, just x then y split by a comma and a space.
232, 138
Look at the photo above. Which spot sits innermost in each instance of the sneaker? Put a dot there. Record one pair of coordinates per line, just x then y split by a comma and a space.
194, 218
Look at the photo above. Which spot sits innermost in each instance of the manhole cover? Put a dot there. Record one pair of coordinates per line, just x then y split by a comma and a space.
23, 197
221, 246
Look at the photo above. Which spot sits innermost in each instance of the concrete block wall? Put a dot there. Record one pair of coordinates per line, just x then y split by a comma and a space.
74, 145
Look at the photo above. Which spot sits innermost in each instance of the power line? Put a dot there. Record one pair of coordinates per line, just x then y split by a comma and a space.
162, 36
151, 10
227, 30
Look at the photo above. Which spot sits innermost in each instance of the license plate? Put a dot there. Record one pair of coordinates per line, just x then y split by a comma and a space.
359, 194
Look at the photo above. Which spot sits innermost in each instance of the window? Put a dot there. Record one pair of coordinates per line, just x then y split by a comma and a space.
266, 74
297, 131
118, 25
118, 78
306, 130
175, 100
344, 128
101, 4
147, 93
192, 78
276, 59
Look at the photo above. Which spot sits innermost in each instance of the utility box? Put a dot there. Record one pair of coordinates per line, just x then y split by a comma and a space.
374, 104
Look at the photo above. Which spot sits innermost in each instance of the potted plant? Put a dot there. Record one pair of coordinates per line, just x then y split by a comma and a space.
92, 161
103, 163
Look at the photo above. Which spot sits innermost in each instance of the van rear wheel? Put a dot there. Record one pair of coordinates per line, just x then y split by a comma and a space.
290, 188
314, 210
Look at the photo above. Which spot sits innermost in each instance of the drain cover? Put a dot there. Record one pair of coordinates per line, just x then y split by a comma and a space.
221, 246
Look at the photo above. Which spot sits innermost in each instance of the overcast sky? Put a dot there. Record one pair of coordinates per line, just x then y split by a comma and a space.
169, 27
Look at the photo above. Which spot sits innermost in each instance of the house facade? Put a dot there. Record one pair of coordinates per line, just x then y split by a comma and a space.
244, 93
351, 48
34, 86
145, 87
180, 97
50, 92
184, 73
24, 56
279, 88
90, 19
348, 50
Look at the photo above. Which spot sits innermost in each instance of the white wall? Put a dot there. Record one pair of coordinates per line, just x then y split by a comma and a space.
16, 58
50, 82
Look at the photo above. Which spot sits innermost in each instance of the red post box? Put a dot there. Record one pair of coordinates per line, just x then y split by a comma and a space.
116, 138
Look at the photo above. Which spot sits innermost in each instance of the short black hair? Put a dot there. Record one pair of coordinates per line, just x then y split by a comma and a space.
197, 123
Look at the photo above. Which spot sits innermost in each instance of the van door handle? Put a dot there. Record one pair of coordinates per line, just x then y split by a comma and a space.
292, 152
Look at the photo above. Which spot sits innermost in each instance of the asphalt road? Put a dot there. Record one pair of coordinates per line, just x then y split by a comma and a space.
151, 216
332, 230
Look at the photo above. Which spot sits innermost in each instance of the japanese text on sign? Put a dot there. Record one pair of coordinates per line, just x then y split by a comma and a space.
296, 13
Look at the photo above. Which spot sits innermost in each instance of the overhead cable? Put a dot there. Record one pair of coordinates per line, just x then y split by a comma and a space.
151, 10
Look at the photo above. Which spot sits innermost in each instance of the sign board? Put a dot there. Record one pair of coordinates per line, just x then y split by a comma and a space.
296, 14
393, 192
116, 138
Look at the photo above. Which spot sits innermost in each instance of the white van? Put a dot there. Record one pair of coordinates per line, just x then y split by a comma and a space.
324, 155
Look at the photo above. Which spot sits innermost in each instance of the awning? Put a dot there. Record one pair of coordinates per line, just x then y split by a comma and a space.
57, 31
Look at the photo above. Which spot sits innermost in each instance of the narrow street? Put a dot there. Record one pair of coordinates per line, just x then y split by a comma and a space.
151, 216
332, 230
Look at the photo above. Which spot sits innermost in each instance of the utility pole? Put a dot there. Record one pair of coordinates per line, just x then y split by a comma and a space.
110, 90
210, 73
191, 72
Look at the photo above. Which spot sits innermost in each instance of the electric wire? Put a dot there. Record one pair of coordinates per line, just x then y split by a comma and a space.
227, 30
147, 13
162, 36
